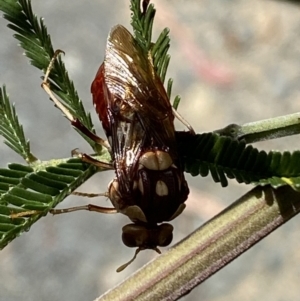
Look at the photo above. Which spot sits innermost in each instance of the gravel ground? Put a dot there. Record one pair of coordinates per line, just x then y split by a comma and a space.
232, 61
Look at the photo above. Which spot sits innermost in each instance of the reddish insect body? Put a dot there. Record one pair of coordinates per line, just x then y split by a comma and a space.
137, 117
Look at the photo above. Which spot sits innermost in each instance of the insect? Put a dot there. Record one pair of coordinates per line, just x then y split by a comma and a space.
138, 119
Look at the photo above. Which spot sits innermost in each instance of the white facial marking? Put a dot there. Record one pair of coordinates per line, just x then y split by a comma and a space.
161, 188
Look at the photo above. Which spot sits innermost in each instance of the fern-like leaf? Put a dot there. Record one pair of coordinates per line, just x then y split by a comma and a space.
160, 55
35, 40
224, 157
39, 188
142, 22
12, 130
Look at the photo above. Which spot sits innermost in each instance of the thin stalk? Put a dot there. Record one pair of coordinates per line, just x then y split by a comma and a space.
210, 247
266, 129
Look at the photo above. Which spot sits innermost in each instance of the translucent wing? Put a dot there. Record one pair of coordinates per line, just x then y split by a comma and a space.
132, 104
129, 75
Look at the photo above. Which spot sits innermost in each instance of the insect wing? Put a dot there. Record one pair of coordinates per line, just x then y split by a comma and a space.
134, 109
130, 76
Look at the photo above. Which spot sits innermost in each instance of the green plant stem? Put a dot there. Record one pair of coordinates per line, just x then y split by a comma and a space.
210, 247
267, 129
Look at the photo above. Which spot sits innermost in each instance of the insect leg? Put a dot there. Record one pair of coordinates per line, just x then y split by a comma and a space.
182, 120
74, 121
89, 195
89, 207
88, 159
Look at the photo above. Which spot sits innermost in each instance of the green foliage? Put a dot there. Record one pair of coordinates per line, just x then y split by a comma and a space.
142, 22
224, 157
11, 129
39, 188
35, 40
42, 185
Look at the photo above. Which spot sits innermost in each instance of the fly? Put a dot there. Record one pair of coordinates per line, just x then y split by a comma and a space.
138, 119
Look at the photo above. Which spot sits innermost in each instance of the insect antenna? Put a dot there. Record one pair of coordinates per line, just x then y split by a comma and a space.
125, 265
137, 251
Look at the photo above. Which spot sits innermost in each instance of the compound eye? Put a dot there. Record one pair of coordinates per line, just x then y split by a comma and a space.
165, 235
134, 235
147, 238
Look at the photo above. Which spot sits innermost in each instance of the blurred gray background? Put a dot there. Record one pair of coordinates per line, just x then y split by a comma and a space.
232, 61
